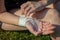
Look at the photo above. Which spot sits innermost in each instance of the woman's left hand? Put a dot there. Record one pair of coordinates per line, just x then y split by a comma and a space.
31, 7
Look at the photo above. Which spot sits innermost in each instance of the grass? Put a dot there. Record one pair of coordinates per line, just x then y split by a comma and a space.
20, 35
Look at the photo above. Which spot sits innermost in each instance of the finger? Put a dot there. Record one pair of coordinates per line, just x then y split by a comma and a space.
45, 23
30, 11
27, 9
47, 32
22, 10
48, 24
47, 27
50, 28
31, 15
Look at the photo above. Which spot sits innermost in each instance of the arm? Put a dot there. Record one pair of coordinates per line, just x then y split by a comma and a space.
9, 18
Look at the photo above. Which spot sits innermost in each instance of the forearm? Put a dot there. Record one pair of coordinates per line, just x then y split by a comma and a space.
9, 18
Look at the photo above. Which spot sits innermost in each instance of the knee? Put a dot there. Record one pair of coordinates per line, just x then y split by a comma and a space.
53, 12
52, 16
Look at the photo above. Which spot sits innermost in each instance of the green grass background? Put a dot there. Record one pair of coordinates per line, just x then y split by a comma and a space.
21, 35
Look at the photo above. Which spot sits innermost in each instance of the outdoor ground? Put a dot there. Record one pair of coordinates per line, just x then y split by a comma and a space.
20, 35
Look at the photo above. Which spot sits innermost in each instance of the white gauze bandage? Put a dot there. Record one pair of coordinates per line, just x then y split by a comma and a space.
22, 20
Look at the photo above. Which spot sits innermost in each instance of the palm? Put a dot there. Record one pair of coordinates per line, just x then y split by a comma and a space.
35, 29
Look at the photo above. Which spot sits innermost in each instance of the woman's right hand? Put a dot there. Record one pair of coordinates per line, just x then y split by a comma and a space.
36, 30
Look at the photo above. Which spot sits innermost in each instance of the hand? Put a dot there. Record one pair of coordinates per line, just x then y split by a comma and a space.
47, 28
31, 7
34, 29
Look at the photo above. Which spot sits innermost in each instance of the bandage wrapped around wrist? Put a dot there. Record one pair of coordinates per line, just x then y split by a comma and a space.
23, 20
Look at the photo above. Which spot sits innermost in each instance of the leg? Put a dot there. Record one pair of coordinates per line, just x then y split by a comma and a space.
12, 27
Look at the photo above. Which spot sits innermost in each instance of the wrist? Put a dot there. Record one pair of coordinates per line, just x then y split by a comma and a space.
22, 21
